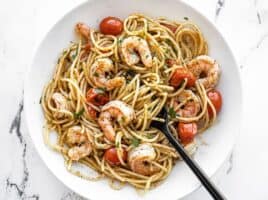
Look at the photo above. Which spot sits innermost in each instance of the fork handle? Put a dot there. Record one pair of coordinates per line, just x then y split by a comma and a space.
210, 187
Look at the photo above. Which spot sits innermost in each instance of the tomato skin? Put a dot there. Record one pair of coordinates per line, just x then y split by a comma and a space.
111, 157
170, 27
111, 26
179, 75
187, 131
92, 112
96, 97
216, 99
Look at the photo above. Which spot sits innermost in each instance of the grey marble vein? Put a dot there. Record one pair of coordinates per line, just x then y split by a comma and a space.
257, 12
261, 40
231, 158
219, 6
71, 196
10, 185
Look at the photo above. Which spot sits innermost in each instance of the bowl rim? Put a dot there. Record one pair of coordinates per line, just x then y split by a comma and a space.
41, 39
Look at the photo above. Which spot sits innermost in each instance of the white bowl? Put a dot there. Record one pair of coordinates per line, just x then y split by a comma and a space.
220, 137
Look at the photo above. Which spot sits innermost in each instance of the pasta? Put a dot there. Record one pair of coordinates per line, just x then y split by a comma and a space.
111, 84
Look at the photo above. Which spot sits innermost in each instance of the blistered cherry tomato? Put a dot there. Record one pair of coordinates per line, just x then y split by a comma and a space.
97, 96
187, 131
111, 26
179, 75
111, 156
216, 99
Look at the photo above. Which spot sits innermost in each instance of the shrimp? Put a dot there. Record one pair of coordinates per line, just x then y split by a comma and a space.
78, 152
134, 44
207, 66
102, 66
60, 103
191, 104
75, 135
140, 159
82, 146
119, 110
83, 30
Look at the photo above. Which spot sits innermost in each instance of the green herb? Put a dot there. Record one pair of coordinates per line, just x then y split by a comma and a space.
74, 54
154, 97
147, 56
79, 114
122, 119
96, 74
172, 112
169, 42
186, 18
150, 136
101, 90
119, 41
135, 142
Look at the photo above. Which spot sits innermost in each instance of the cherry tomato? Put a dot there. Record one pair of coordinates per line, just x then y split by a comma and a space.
187, 131
170, 27
111, 156
97, 96
216, 100
111, 26
92, 112
179, 75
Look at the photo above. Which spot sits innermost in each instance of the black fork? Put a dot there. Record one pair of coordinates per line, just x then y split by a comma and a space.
163, 127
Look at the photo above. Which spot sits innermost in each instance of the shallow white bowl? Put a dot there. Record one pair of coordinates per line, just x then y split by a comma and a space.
220, 137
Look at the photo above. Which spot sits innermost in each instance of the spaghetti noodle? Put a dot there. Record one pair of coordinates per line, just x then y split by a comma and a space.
102, 78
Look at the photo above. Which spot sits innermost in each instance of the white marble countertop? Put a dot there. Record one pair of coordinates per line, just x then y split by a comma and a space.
23, 23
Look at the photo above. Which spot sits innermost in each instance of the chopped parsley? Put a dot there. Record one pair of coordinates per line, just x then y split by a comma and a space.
186, 18
119, 41
150, 136
77, 115
154, 97
74, 55
147, 56
135, 142
172, 112
100, 90
129, 75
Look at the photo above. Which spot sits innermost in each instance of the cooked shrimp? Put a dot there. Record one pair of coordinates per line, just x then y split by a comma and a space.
76, 136
83, 30
101, 67
207, 66
60, 103
81, 151
140, 159
191, 104
119, 110
134, 44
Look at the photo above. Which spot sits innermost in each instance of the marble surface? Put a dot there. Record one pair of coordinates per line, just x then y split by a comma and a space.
24, 22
